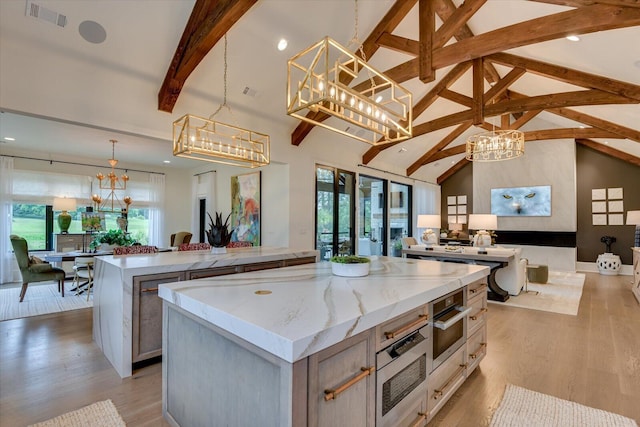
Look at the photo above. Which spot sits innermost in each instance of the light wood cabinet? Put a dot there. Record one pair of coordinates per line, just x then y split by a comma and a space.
445, 380
341, 384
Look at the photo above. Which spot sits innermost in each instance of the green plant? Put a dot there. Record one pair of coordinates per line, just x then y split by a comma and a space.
349, 259
218, 233
397, 244
112, 237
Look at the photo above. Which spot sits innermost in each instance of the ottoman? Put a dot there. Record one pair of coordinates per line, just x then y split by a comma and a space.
537, 273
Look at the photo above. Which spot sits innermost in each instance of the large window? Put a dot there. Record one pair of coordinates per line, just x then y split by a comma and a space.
335, 212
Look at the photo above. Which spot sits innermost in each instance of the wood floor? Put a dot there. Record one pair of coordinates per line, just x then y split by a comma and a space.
49, 364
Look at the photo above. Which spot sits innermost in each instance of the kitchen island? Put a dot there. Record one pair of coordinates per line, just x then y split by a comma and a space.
127, 312
262, 347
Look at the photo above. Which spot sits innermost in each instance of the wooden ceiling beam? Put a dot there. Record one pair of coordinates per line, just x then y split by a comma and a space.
524, 119
581, 3
583, 20
567, 75
426, 30
457, 97
567, 133
210, 20
439, 146
577, 116
452, 170
388, 23
478, 91
610, 151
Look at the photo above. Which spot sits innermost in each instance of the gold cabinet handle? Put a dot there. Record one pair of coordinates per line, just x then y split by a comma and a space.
437, 394
150, 290
421, 318
332, 394
482, 311
480, 288
474, 356
422, 416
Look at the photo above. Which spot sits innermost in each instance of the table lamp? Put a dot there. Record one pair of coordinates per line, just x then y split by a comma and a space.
64, 204
633, 218
484, 224
429, 222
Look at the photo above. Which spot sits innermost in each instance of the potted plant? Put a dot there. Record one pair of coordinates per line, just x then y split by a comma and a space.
396, 248
350, 265
218, 233
108, 239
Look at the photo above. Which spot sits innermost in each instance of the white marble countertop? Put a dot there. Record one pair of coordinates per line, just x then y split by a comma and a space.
195, 260
309, 309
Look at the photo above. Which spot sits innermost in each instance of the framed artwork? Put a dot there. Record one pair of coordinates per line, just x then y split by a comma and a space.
93, 221
245, 208
521, 201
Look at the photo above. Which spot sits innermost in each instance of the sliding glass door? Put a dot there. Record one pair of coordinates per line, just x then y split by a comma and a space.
335, 212
399, 215
372, 202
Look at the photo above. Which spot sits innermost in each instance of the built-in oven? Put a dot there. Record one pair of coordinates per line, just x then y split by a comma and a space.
401, 376
448, 318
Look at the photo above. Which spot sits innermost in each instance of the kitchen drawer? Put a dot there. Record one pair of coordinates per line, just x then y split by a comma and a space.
445, 380
390, 331
476, 288
478, 315
210, 272
476, 348
416, 416
260, 266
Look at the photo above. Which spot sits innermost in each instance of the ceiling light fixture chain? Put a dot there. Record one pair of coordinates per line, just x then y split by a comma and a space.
224, 76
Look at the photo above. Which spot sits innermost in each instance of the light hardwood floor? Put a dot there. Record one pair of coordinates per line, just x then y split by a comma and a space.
49, 364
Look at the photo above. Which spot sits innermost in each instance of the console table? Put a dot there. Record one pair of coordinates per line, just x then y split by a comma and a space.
494, 260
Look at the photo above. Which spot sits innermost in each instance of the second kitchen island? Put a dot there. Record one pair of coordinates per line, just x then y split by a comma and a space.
299, 346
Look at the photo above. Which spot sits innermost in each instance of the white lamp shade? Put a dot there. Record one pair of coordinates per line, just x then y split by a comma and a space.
483, 222
429, 221
633, 217
64, 204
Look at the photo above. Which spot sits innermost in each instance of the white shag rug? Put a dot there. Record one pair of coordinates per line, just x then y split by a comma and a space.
525, 408
99, 414
561, 294
40, 299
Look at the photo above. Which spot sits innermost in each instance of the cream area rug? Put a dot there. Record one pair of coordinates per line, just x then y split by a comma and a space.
40, 299
99, 414
561, 294
525, 408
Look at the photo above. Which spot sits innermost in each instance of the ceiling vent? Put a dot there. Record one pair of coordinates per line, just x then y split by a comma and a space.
250, 92
37, 11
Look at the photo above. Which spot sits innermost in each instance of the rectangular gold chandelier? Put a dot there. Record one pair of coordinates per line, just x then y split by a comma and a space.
379, 114
204, 139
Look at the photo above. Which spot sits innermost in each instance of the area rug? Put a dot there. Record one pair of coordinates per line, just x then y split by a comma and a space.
99, 414
525, 408
40, 299
561, 294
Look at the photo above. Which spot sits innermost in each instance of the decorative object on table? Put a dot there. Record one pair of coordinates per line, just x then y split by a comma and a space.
484, 224
64, 205
318, 81
93, 221
113, 183
429, 223
455, 228
213, 141
122, 222
218, 233
396, 248
245, 208
108, 240
608, 263
350, 266
194, 247
135, 249
633, 218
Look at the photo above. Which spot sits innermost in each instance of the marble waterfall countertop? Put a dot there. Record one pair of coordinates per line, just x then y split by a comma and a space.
307, 309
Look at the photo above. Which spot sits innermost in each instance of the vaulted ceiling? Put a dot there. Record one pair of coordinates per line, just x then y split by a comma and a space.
471, 66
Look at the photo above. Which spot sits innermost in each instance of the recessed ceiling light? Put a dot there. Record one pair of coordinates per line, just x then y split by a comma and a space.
166, 161
573, 38
282, 45
402, 150
8, 138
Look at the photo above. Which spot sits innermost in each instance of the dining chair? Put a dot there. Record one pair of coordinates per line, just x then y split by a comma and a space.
179, 238
33, 269
83, 269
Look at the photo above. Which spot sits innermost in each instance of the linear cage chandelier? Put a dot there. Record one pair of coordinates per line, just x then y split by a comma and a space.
113, 183
380, 113
213, 141
206, 139
495, 145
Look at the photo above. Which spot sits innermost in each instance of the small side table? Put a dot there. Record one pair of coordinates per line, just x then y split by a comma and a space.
537, 273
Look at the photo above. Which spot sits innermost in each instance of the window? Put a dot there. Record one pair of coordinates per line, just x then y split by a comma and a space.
335, 212
29, 220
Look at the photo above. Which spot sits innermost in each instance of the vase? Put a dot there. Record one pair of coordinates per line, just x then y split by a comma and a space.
218, 250
350, 270
105, 247
608, 264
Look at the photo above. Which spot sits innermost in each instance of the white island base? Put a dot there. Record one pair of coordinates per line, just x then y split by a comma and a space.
264, 348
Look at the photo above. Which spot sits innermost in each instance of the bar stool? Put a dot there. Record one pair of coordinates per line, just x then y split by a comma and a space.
83, 269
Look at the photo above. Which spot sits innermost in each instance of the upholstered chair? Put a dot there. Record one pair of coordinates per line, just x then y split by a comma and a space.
32, 269
407, 242
179, 238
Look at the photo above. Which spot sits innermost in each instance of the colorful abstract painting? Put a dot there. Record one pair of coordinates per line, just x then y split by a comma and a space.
245, 208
